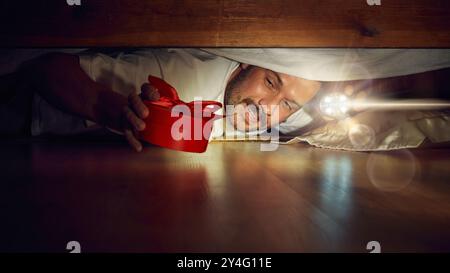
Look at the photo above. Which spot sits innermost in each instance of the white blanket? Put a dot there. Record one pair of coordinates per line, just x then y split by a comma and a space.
340, 64
367, 131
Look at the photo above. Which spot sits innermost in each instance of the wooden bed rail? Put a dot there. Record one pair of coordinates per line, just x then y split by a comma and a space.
223, 23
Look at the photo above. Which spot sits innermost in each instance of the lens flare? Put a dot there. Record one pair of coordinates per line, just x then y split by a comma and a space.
361, 136
392, 171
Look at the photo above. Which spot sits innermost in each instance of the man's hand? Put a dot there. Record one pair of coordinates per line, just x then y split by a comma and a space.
134, 113
59, 79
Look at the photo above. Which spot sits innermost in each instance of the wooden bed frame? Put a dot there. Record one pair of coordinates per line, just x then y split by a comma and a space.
224, 23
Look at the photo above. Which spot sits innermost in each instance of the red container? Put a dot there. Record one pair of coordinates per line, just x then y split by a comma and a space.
187, 130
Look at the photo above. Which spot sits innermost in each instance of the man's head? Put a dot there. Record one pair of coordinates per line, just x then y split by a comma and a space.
274, 96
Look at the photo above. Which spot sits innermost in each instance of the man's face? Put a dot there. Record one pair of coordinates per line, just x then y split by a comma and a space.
263, 98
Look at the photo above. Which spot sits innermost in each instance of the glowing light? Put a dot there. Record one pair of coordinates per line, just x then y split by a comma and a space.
335, 105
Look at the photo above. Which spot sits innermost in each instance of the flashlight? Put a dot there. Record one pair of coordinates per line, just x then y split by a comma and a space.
335, 106
338, 105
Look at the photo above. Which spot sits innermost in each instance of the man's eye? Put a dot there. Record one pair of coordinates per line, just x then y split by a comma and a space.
287, 105
269, 83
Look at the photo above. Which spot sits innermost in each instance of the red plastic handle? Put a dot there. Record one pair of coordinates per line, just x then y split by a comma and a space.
164, 89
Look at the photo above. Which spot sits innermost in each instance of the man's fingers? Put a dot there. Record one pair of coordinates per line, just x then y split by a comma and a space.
145, 87
132, 140
149, 92
137, 112
131, 117
138, 106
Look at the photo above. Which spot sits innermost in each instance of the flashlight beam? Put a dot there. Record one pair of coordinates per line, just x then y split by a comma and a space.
411, 104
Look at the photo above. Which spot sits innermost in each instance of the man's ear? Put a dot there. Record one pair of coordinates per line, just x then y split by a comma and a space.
244, 66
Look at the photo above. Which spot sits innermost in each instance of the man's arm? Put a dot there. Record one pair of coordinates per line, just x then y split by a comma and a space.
59, 79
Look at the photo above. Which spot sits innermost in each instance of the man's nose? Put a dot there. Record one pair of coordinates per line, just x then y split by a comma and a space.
270, 104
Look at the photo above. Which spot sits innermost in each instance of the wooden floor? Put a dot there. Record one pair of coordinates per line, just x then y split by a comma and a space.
231, 198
